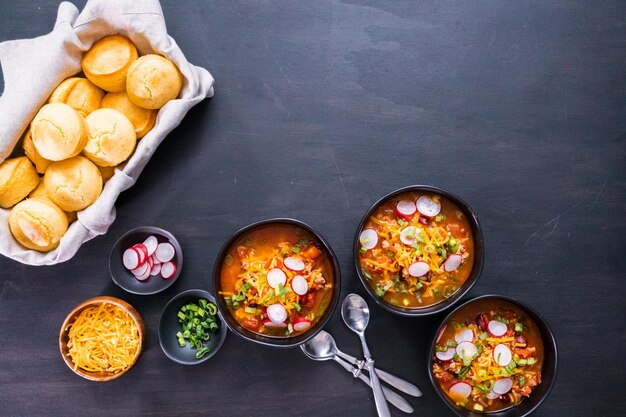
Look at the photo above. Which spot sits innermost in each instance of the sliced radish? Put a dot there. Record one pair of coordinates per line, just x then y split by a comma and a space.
276, 276
143, 253
418, 269
276, 313
443, 329
502, 355
368, 238
409, 234
299, 285
460, 390
405, 208
168, 269
497, 328
155, 260
270, 323
466, 350
165, 252
141, 269
130, 258
502, 386
155, 270
144, 276
464, 335
427, 206
492, 395
301, 324
446, 356
294, 264
150, 262
452, 262
151, 244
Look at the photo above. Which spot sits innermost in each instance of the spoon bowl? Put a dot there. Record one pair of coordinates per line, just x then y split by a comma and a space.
321, 347
355, 313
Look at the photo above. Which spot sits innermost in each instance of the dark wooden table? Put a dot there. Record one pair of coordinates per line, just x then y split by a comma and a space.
321, 108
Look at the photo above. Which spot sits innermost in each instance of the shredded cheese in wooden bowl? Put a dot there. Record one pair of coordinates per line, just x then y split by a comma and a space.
101, 338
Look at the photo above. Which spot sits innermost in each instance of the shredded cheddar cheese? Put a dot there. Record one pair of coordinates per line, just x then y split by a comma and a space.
103, 338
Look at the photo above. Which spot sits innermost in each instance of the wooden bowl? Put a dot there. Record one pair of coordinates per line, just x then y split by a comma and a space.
63, 336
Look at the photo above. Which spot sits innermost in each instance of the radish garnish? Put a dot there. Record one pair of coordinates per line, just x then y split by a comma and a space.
464, 335
492, 395
168, 269
299, 285
497, 328
141, 269
409, 234
276, 276
155, 260
142, 251
144, 276
155, 270
405, 208
466, 350
165, 252
427, 206
502, 386
270, 323
446, 356
460, 389
301, 324
502, 355
368, 238
452, 262
294, 264
418, 269
151, 244
276, 313
130, 258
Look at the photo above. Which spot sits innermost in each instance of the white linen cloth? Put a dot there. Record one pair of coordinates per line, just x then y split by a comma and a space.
32, 68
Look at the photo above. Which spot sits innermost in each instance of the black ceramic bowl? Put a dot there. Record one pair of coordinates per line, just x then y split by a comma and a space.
169, 326
268, 340
548, 370
125, 279
469, 282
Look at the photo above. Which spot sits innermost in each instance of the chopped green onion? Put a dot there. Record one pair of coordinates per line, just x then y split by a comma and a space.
197, 320
519, 327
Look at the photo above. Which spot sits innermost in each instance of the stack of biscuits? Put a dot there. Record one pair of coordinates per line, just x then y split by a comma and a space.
87, 128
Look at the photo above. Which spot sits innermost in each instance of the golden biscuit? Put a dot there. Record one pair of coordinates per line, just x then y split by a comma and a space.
41, 163
73, 184
17, 178
58, 132
38, 224
107, 62
111, 137
78, 93
152, 81
40, 191
142, 119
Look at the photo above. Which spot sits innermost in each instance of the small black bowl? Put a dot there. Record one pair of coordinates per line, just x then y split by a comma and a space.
169, 326
548, 370
469, 282
125, 279
282, 342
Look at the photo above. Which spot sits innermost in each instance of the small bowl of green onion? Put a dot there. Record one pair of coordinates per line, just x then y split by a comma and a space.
191, 329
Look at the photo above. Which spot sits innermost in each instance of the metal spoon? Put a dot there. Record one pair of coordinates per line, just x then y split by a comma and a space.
320, 349
324, 341
356, 315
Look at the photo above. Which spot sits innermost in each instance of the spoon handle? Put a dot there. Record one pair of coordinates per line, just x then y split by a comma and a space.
395, 399
379, 397
395, 381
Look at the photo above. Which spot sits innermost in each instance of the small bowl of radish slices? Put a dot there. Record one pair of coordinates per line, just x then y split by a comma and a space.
146, 260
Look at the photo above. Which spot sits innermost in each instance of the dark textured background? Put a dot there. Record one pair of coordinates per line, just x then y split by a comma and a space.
320, 108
